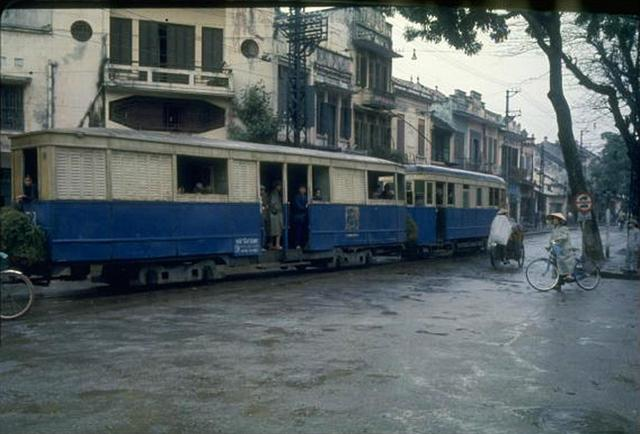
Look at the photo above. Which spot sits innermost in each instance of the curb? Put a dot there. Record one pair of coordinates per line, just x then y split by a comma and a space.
619, 275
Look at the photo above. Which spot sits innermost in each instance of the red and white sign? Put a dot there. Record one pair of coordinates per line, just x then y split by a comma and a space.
584, 203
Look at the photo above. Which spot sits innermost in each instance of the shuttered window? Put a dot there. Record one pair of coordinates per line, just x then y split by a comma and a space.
212, 49
244, 181
166, 45
140, 176
348, 186
80, 173
345, 118
400, 140
421, 137
120, 41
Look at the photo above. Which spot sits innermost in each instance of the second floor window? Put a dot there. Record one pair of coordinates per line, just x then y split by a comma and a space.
12, 107
212, 49
120, 41
167, 45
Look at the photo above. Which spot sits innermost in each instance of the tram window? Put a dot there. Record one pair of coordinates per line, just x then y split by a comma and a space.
503, 198
479, 196
420, 192
401, 186
409, 193
439, 193
202, 175
321, 184
465, 196
451, 194
380, 185
429, 193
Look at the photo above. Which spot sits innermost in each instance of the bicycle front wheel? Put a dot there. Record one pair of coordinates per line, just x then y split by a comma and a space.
587, 275
16, 294
542, 274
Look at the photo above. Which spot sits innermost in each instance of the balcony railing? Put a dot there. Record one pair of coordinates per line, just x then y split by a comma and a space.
377, 99
476, 166
169, 80
517, 174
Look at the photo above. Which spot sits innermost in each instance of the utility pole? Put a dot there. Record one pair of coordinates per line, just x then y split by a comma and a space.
304, 32
509, 94
542, 204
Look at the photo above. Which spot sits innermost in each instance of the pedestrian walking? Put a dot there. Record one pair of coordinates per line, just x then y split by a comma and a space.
633, 246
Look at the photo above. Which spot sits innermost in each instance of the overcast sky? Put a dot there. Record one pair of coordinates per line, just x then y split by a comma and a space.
515, 64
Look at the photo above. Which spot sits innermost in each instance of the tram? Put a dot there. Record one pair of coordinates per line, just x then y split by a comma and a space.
137, 207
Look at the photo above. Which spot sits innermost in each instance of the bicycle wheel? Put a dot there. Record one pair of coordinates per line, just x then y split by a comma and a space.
542, 274
16, 294
587, 274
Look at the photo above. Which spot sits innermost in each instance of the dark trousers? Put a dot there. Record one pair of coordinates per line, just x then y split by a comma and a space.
299, 232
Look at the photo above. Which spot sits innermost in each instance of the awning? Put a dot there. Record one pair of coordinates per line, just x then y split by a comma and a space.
15, 79
374, 47
442, 124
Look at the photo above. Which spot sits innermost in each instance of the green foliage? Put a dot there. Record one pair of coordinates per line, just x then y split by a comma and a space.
412, 231
610, 173
387, 154
458, 27
253, 109
22, 240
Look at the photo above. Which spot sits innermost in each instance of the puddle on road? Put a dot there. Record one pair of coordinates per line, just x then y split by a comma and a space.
577, 421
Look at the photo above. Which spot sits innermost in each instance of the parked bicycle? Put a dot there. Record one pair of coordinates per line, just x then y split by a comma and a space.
16, 292
543, 273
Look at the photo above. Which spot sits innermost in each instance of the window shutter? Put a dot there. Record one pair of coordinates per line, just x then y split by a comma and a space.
148, 45
310, 106
401, 133
212, 49
141, 176
345, 128
120, 41
80, 173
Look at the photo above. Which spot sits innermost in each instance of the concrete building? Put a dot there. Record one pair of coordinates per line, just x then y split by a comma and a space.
517, 170
411, 128
551, 181
178, 69
49, 69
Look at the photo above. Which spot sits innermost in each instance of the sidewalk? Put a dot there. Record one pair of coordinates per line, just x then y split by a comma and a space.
613, 267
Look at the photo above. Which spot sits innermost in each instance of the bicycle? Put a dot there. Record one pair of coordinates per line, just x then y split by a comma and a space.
543, 274
16, 292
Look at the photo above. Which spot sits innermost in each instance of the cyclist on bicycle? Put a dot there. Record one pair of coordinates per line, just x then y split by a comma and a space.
560, 242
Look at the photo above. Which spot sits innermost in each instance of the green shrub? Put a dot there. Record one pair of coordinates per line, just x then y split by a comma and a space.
23, 241
412, 231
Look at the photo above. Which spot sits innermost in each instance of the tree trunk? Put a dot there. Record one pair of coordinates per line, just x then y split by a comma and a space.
549, 24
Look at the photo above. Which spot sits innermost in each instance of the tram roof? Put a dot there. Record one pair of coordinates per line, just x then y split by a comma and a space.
193, 140
438, 170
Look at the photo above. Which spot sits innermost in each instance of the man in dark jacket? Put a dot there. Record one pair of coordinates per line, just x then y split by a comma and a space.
299, 216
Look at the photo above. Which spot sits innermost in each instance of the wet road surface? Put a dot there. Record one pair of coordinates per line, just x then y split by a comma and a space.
439, 346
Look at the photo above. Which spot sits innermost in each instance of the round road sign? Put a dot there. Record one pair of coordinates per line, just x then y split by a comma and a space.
584, 203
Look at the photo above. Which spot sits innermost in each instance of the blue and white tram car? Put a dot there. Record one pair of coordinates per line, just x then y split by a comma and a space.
149, 207
452, 208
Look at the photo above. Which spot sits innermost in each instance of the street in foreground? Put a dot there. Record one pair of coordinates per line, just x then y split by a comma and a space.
440, 346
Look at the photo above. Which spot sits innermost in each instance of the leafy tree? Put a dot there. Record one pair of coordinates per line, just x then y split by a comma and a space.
24, 242
612, 70
253, 110
610, 172
460, 26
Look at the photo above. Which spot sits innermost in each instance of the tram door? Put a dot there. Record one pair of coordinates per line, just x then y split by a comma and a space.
296, 177
270, 175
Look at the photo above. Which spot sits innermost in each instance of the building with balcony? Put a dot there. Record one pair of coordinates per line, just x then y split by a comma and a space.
517, 170
551, 182
178, 70
466, 134
50, 66
411, 126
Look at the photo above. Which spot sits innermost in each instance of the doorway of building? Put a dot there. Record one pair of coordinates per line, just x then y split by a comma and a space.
298, 227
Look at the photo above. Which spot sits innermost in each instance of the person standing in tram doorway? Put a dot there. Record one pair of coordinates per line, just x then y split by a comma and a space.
299, 218
275, 215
